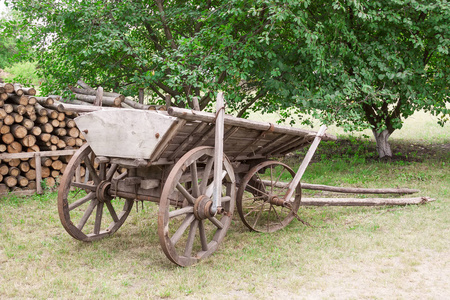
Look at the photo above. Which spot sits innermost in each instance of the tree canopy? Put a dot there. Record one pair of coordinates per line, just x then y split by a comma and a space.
359, 64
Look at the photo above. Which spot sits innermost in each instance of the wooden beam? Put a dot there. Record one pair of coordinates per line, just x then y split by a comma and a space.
193, 115
364, 201
346, 190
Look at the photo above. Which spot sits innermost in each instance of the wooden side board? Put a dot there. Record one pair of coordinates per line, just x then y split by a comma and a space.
125, 133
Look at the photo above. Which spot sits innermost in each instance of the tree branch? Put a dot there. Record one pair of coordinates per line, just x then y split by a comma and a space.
153, 38
250, 103
164, 23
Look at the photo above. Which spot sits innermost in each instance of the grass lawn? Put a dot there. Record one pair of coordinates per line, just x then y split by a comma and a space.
349, 252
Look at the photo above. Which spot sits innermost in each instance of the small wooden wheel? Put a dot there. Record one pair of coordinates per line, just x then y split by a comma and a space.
260, 198
85, 188
187, 230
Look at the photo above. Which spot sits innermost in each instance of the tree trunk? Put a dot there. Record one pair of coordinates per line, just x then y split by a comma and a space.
383, 147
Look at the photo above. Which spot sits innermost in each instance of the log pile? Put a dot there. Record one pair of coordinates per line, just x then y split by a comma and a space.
29, 124
45, 125
87, 99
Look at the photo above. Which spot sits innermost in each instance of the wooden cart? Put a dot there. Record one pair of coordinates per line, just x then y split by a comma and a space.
196, 165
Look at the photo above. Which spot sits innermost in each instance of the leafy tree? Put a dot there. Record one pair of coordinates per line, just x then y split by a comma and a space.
127, 45
7, 50
359, 64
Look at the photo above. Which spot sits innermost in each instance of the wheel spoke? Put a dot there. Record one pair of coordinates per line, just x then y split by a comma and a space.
279, 177
202, 233
181, 211
185, 193
194, 178
210, 188
186, 222
98, 218
85, 186
257, 190
276, 213
255, 209
92, 171
216, 222
271, 179
268, 217
258, 215
206, 173
112, 211
191, 238
81, 201
87, 214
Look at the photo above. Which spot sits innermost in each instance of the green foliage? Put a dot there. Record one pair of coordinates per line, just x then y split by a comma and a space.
358, 64
23, 72
7, 50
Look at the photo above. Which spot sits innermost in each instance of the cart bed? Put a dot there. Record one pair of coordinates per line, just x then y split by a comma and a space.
166, 136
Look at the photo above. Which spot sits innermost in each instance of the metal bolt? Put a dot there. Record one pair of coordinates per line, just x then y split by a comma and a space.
85, 131
157, 135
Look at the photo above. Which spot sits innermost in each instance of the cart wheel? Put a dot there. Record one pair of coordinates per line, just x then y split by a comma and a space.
187, 231
260, 204
80, 194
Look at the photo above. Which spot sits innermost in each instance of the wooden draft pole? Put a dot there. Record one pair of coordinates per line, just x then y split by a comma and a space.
301, 170
346, 190
218, 154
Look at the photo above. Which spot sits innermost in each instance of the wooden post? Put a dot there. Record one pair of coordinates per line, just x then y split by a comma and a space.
195, 103
38, 173
218, 153
168, 101
301, 170
141, 96
99, 97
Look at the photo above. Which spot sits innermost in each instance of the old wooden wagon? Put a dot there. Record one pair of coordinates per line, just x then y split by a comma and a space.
195, 165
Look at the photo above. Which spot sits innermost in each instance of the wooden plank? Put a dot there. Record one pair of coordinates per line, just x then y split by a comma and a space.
218, 153
165, 140
132, 133
32, 154
301, 170
187, 141
239, 122
289, 145
346, 190
364, 201
38, 173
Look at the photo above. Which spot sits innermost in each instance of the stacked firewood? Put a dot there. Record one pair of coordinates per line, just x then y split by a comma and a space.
40, 124
27, 124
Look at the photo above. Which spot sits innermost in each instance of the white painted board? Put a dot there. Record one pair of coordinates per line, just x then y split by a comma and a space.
124, 133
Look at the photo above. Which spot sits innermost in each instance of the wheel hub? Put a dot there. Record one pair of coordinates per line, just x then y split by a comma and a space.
102, 191
274, 200
202, 207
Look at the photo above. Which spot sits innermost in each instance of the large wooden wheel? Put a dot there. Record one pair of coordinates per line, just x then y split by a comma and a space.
187, 231
260, 198
86, 209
